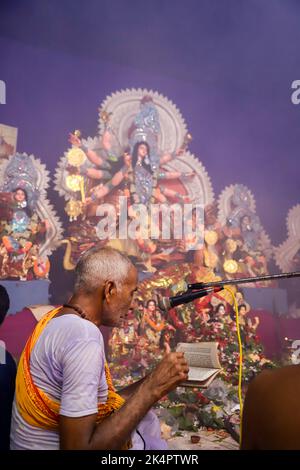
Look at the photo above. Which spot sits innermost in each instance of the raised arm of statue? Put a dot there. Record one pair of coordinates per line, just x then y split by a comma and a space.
92, 155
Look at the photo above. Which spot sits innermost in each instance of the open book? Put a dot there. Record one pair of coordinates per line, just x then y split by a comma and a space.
203, 362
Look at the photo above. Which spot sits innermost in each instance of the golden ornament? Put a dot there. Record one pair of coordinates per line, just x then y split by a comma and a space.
105, 116
74, 182
210, 259
230, 266
76, 157
73, 209
203, 274
211, 237
230, 245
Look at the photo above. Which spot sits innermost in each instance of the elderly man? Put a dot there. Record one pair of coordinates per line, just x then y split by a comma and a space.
64, 394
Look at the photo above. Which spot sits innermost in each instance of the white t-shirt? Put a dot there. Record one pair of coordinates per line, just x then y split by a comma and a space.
67, 362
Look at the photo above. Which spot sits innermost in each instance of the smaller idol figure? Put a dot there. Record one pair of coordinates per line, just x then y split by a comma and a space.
22, 230
153, 324
20, 235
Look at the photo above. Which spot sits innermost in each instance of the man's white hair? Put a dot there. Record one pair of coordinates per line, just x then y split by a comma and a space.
98, 265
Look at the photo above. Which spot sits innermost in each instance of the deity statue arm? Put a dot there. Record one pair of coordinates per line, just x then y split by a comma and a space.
159, 196
170, 175
97, 174
92, 155
100, 191
162, 194
119, 176
168, 156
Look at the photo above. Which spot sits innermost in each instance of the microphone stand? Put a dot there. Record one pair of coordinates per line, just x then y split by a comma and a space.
245, 280
200, 289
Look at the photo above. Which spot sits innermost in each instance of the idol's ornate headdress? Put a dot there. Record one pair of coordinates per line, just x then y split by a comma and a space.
21, 173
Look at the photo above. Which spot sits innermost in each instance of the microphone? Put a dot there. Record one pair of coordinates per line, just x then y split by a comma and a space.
166, 303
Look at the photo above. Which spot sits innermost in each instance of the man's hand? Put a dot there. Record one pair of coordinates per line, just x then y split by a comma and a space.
172, 370
113, 431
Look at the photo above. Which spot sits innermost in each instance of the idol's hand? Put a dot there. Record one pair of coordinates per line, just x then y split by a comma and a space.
98, 192
87, 202
74, 140
188, 174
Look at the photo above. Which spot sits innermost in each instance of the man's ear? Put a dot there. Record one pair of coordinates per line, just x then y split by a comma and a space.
109, 291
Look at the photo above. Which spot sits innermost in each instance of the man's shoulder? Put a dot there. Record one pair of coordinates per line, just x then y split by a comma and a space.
77, 328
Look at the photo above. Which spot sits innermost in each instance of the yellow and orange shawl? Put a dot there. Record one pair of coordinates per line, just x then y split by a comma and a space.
34, 405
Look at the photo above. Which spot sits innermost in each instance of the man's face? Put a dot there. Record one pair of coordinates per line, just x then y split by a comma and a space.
119, 300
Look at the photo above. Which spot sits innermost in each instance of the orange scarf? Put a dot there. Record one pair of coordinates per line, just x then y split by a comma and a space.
34, 405
156, 327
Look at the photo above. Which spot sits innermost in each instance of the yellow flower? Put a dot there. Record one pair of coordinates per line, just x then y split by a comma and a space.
216, 408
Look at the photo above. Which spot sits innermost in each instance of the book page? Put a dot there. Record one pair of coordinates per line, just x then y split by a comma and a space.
203, 355
196, 373
202, 383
